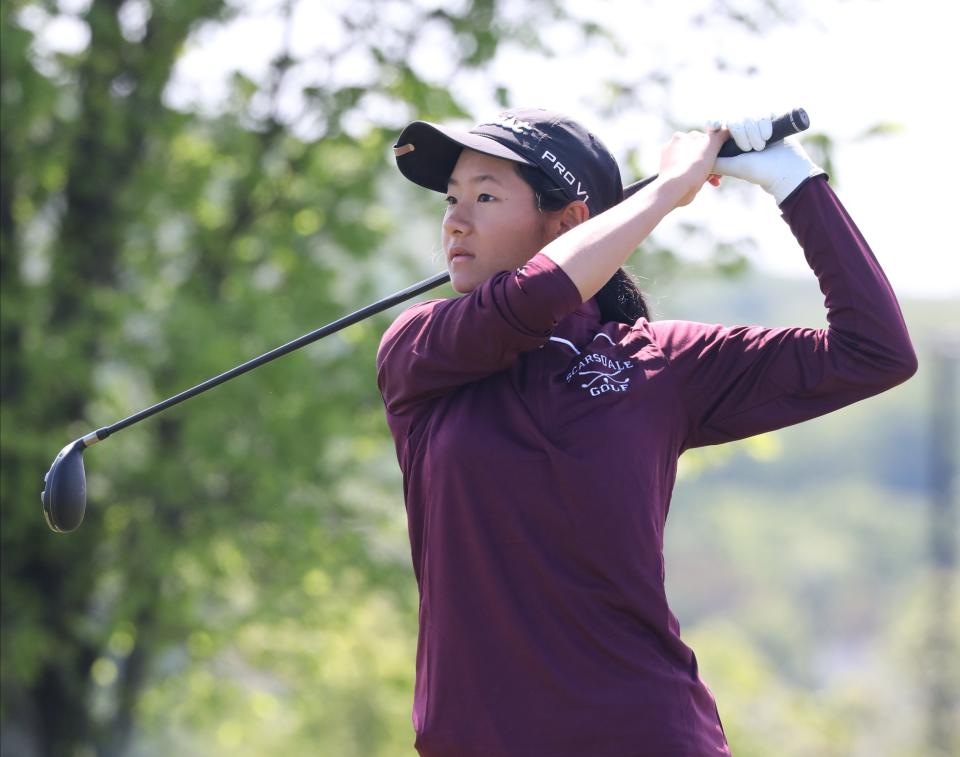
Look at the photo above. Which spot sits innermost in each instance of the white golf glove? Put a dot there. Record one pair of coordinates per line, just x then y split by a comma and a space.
778, 169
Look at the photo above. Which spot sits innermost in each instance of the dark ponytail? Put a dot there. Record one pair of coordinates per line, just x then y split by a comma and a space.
620, 298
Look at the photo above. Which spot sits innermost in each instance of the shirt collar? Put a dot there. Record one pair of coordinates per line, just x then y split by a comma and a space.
581, 325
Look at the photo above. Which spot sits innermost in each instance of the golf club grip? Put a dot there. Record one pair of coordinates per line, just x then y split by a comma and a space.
793, 122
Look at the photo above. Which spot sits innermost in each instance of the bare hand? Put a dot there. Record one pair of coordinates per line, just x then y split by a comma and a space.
687, 160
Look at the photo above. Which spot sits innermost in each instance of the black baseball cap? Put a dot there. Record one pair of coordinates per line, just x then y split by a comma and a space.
576, 161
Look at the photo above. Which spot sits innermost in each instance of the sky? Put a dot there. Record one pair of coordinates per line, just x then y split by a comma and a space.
851, 64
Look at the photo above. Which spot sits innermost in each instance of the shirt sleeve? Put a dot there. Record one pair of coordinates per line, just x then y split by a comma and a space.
438, 345
739, 381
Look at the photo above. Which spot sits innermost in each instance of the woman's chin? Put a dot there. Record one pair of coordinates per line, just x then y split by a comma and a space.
462, 284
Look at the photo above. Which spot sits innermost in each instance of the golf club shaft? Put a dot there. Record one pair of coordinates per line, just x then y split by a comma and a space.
365, 312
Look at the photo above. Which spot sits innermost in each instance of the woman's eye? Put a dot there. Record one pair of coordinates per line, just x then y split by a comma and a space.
450, 200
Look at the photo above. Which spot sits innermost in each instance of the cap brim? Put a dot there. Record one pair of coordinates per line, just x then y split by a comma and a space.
427, 153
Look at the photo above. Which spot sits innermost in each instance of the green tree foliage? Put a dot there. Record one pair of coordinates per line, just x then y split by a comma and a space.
799, 562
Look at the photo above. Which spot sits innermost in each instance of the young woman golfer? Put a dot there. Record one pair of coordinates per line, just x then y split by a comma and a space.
538, 425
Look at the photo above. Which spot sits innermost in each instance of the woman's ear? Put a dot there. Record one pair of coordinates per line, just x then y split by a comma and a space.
572, 215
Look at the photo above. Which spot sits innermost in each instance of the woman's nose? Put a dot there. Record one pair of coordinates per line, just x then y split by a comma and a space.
456, 220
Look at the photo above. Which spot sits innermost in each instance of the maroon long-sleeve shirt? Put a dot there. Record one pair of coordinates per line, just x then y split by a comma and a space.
539, 449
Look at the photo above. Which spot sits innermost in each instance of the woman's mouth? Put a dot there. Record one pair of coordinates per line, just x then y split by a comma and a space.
458, 253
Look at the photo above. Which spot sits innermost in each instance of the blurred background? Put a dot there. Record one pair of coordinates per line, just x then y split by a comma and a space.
188, 183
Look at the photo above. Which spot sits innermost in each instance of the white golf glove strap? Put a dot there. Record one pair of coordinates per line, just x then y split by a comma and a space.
778, 169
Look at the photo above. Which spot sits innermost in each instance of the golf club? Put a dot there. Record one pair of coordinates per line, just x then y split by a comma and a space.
64, 495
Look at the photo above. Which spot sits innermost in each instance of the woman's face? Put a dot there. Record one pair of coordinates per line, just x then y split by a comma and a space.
491, 223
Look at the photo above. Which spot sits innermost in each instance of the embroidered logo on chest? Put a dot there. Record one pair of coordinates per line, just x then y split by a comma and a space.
598, 374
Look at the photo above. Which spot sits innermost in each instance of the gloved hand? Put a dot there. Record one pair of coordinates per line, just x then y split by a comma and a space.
778, 169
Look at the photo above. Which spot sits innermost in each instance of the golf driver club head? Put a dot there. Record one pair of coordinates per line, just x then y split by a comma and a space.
64, 494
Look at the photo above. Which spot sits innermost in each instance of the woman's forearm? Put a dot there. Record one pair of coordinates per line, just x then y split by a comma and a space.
592, 252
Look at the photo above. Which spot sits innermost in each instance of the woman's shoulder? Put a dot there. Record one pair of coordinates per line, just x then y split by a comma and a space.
675, 335
417, 312
410, 319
